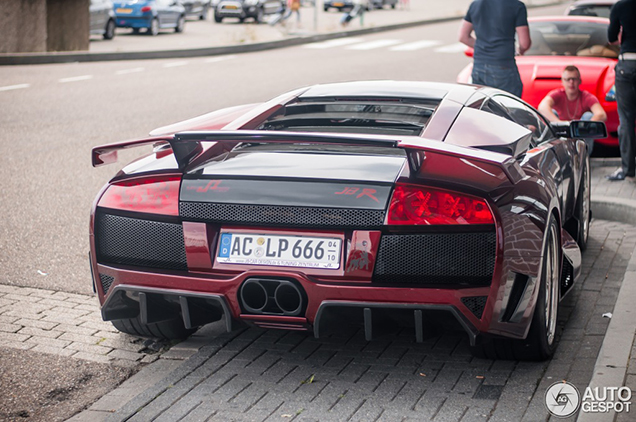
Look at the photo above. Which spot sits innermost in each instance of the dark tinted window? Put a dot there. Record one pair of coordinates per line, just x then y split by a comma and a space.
525, 116
600, 11
373, 116
566, 38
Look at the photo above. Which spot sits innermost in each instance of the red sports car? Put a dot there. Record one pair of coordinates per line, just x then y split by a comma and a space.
559, 41
371, 199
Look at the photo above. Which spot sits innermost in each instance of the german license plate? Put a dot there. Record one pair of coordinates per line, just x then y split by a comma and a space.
122, 10
284, 251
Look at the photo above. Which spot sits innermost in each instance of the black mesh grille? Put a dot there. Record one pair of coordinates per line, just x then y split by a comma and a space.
476, 304
567, 276
275, 215
144, 243
447, 258
106, 282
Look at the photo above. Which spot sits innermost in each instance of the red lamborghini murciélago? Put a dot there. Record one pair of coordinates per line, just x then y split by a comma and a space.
374, 198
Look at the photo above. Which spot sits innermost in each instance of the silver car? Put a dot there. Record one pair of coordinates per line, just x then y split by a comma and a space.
102, 18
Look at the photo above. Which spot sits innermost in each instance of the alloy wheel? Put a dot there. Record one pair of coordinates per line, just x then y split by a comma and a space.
551, 286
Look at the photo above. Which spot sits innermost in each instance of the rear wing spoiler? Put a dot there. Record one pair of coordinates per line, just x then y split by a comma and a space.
187, 145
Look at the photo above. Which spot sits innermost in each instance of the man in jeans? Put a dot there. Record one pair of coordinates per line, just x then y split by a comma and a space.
495, 23
623, 22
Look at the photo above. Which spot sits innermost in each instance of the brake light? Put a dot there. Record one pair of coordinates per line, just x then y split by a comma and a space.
146, 9
154, 196
416, 205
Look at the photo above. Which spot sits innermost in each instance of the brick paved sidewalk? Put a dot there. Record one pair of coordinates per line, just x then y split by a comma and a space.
66, 324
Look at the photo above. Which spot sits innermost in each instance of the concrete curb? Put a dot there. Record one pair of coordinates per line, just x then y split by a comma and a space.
614, 209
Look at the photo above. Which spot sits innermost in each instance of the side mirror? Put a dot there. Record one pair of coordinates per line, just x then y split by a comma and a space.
581, 129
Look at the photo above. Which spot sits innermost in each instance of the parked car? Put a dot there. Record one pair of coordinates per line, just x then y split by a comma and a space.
243, 9
197, 8
102, 18
372, 199
348, 4
379, 4
151, 15
600, 8
559, 41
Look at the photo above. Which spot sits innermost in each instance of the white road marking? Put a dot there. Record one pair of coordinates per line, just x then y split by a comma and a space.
334, 43
451, 48
218, 59
12, 87
76, 78
127, 71
175, 64
373, 44
417, 45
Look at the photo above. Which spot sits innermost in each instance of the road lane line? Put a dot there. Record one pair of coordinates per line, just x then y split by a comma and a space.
417, 45
76, 78
12, 87
175, 64
127, 71
451, 48
218, 59
373, 44
334, 43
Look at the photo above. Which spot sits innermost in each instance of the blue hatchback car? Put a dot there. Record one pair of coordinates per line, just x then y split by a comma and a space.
152, 15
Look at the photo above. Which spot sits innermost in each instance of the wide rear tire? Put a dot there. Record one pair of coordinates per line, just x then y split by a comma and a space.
540, 343
168, 330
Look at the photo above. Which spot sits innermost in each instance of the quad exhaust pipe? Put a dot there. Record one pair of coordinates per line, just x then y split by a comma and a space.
262, 296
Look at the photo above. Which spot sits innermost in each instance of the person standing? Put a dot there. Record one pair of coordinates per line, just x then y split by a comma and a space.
572, 103
622, 28
359, 7
495, 23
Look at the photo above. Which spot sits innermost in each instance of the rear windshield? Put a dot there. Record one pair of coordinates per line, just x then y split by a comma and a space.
354, 115
602, 11
570, 39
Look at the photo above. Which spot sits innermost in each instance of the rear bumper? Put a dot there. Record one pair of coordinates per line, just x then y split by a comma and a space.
154, 305
129, 22
200, 298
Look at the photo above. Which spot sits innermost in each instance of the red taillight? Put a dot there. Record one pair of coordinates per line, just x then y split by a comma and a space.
154, 196
146, 9
413, 205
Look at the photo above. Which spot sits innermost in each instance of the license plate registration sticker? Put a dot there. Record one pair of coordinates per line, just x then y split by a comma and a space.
284, 251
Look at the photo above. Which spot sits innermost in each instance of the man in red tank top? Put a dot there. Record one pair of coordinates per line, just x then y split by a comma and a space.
572, 103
